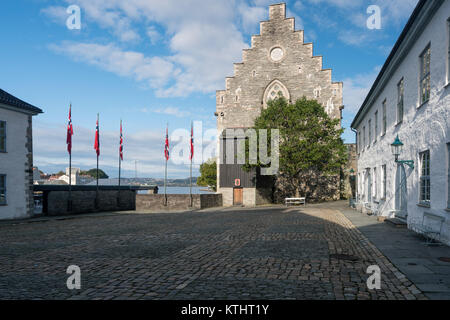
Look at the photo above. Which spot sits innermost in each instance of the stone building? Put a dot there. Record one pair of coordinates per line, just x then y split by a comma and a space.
278, 62
16, 157
410, 99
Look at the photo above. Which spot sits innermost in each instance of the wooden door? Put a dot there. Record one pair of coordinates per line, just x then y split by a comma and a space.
238, 196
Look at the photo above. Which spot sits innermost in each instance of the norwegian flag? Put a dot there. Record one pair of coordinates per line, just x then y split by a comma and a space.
69, 131
121, 142
97, 139
166, 147
191, 156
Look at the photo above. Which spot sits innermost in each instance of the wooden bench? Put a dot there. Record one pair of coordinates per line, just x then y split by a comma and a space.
431, 231
295, 201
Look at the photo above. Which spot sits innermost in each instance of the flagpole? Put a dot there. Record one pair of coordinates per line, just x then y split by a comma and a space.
191, 156
98, 134
165, 175
69, 203
120, 161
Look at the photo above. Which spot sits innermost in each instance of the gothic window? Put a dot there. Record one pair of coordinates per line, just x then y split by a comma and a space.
274, 91
254, 73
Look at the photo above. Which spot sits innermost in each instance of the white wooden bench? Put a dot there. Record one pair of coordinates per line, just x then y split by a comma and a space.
295, 201
431, 231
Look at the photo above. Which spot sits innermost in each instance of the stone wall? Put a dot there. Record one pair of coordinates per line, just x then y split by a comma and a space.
56, 202
155, 202
314, 186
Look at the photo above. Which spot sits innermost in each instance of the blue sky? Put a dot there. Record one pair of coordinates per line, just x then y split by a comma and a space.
154, 62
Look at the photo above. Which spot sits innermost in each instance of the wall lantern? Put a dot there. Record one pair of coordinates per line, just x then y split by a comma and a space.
397, 148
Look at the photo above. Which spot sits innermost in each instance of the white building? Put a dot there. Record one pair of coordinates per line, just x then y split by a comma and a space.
410, 99
16, 157
74, 178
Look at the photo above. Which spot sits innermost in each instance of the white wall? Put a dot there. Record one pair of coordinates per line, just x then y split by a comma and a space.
424, 128
13, 163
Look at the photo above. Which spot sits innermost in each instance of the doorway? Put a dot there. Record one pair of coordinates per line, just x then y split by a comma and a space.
401, 193
238, 196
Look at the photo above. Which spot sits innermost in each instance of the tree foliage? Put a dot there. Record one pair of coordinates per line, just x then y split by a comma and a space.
208, 175
309, 138
93, 173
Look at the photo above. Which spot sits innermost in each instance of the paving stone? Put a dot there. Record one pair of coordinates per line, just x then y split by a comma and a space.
269, 253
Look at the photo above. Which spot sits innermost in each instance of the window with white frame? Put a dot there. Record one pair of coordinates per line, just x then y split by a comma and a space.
384, 118
376, 125
2, 136
425, 60
2, 189
364, 137
448, 54
375, 185
383, 182
359, 141
370, 131
448, 175
425, 181
400, 101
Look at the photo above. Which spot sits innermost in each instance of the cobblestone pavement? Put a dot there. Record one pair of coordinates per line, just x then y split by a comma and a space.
264, 253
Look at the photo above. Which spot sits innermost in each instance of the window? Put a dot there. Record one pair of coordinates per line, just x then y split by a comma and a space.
425, 185
364, 137
425, 75
370, 131
2, 136
384, 118
448, 54
359, 141
383, 182
401, 92
448, 175
2, 189
376, 125
375, 181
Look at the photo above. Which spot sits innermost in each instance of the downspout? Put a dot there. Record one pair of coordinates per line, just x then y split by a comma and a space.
357, 175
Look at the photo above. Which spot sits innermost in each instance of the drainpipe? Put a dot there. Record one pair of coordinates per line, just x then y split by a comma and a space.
356, 177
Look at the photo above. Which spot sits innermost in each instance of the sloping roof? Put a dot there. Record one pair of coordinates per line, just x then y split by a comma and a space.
393, 53
10, 100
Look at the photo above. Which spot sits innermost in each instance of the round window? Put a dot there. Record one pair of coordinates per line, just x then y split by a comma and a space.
277, 54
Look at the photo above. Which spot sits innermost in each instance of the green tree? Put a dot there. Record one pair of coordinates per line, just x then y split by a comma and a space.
93, 173
310, 141
208, 174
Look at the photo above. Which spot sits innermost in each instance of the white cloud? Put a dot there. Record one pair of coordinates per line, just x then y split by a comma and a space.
171, 111
153, 35
356, 89
56, 13
156, 70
